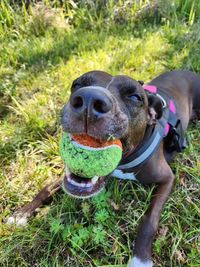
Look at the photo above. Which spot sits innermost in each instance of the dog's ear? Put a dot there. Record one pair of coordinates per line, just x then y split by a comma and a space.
155, 109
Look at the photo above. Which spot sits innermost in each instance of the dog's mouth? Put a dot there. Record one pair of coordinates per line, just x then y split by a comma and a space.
80, 187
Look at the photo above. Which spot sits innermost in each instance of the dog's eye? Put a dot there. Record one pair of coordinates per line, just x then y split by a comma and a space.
134, 98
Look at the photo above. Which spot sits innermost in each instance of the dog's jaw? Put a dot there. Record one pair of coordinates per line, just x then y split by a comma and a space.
82, 188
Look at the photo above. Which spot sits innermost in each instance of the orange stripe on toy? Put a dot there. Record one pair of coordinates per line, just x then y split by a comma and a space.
87, 140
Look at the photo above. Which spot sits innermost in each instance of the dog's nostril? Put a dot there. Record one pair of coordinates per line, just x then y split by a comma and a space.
101, 106
77, 102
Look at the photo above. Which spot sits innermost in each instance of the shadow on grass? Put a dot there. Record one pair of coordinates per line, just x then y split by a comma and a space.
5, 100
60, 48
23, 136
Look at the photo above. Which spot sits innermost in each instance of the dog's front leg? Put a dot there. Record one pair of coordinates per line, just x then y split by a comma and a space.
148, 226
21, 216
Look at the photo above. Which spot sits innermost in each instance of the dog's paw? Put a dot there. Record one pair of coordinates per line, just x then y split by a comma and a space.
18, 220
136, 262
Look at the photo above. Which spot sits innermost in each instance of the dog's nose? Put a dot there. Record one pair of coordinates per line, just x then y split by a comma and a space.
91, 102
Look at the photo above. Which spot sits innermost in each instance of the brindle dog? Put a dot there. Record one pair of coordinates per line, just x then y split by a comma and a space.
102, 106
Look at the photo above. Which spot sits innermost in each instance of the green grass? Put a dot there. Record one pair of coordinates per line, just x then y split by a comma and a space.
40, 57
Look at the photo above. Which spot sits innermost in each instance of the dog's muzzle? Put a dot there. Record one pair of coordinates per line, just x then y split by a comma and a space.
91, 102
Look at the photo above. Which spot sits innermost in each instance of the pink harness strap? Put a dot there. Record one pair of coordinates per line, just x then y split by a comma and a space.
153, 89
172, 106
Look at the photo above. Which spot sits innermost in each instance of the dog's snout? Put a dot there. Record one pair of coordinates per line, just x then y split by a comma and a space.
95, 103
101, 105
77, 102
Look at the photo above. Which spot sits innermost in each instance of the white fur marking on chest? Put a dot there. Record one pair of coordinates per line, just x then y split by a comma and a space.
136, 262
123, 175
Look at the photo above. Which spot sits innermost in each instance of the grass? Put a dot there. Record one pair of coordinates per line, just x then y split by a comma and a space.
41, 54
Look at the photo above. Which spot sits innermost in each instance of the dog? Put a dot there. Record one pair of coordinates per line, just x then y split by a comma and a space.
149, 119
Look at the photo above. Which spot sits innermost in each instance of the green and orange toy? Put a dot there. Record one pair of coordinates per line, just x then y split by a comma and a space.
87, 157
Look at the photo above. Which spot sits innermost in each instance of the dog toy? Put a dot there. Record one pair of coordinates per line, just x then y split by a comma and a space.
87, 157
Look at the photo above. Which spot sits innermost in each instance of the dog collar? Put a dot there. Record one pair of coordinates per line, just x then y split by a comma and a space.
168, 127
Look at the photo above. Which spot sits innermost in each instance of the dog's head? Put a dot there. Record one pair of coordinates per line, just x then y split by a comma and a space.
104, 106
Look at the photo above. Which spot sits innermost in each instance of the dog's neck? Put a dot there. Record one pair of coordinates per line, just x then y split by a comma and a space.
130, 150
